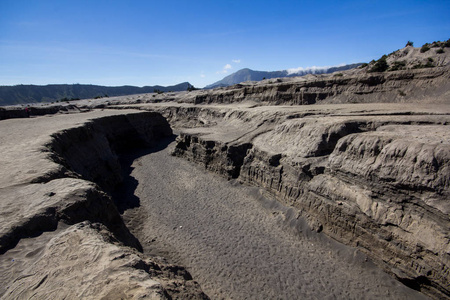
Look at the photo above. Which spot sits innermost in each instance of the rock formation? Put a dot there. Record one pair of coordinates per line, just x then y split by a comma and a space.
379, 183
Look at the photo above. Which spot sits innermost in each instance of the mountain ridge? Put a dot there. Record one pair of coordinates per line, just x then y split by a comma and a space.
21, 94
247, 74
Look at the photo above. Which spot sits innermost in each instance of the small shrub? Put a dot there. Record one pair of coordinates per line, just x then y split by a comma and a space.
429, 64
424, 48
409, 43
380, 65
440, 51
338, 75
401, 93
436, 44
363, 65
447, 43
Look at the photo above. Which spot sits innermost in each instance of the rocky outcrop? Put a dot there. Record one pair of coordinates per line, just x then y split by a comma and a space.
377, 183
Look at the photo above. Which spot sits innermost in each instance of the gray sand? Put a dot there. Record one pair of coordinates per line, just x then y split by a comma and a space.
235, 247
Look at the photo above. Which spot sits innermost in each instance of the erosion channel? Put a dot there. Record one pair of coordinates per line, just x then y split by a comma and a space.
248, 202
235, 243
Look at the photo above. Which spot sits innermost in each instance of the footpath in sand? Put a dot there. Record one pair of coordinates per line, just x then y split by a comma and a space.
230, 239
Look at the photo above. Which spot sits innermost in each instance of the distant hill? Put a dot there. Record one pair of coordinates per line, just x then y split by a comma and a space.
251, 75
21, 94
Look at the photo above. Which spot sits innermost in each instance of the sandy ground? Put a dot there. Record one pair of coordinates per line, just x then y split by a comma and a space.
234, 244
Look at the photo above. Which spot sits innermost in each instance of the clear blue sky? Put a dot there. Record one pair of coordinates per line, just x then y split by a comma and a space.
168, 42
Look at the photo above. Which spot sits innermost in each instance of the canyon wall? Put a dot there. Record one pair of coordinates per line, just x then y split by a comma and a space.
376, 181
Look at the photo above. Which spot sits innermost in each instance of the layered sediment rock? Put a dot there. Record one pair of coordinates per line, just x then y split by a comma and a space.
379, 183
429, 85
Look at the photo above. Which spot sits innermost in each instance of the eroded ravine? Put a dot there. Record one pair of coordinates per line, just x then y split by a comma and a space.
237, 249
232, 245
374, 180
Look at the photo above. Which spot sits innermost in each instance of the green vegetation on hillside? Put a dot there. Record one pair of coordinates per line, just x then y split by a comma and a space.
381, 65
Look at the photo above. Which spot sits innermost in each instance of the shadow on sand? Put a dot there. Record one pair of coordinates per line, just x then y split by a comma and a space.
124, 194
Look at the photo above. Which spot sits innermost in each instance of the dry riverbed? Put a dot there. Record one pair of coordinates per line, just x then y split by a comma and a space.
232, 239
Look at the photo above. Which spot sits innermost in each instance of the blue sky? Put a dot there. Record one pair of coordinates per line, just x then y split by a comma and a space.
168, 42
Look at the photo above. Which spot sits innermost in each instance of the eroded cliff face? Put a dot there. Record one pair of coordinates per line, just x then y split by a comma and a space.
92, 150
355, 86
376, 181
59, 220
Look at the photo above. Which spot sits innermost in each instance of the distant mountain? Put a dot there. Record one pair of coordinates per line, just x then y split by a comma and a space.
21, 94
251, 75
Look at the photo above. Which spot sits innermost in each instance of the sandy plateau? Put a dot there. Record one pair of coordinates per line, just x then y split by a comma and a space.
242, 192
